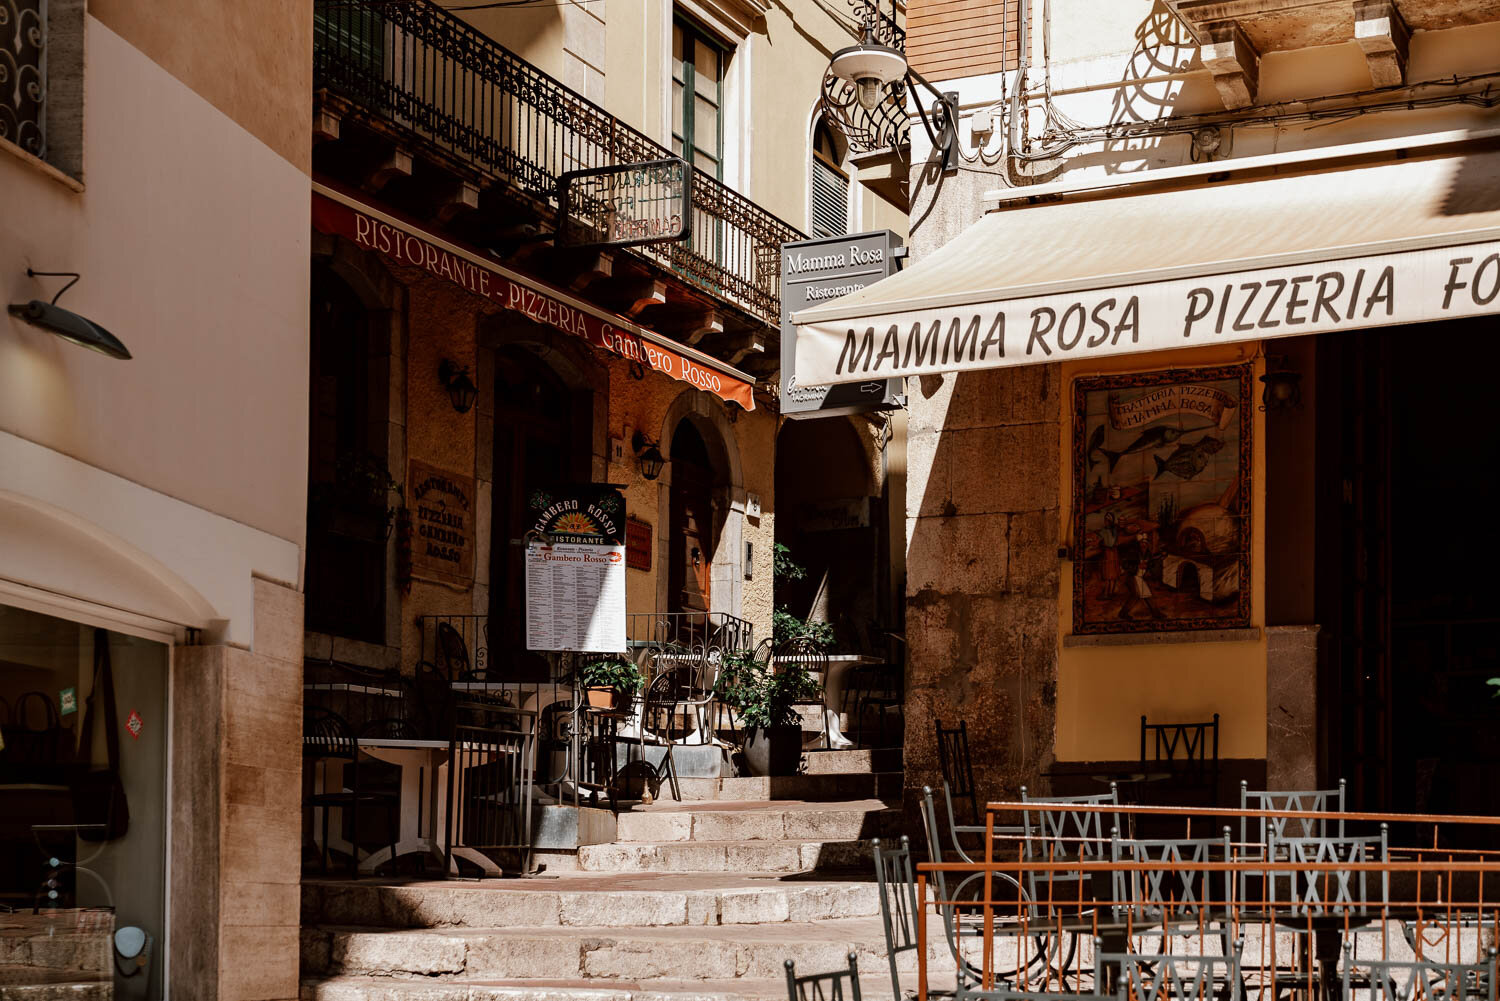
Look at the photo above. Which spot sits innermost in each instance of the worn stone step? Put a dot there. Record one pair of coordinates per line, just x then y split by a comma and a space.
601, 954
620, 901
758, 821
723, 856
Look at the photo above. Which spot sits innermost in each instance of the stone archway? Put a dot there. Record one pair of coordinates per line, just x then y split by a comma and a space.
706, 414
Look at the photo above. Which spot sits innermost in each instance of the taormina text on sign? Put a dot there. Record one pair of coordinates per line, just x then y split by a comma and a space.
1408, 287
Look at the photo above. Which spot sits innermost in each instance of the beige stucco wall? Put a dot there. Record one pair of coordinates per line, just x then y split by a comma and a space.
192, 239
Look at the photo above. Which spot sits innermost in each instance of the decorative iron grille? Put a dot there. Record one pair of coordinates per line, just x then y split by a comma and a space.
886, 125
23, 74
425, 70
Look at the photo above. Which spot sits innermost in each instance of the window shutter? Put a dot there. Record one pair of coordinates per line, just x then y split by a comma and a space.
830, 201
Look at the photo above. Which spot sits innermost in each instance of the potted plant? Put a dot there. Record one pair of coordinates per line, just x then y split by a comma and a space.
610, 679
765, 696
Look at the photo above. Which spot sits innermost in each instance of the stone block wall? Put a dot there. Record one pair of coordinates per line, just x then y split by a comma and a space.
982, 573
236, 809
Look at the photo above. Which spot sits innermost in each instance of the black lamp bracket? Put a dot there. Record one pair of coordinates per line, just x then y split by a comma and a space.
943, 134
56, 274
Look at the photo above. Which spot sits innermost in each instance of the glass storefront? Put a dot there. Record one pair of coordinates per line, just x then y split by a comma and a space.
82, 812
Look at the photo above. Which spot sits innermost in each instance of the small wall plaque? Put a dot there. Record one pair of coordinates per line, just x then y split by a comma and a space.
637, 544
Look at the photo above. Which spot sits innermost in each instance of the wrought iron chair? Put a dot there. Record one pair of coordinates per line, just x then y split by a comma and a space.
801, 650
1293, 801
839, 985
897, 886
664, 716
1172, 901
1447, 934
1319, 893
962, 922
1395, 980
1059, 836
1190, 750
491, 772
326, 737
1174, 976
878, 687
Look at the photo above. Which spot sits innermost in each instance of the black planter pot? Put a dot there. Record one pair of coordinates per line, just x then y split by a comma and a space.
773, 750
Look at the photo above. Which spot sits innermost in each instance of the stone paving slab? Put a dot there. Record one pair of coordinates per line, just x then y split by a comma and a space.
874, 986
729, 821
724, 856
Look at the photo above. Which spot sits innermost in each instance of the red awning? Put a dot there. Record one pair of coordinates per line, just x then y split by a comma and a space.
339, 214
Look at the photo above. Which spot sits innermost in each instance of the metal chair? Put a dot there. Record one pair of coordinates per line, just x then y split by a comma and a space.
491, 772
1170, 895
957, 767
1293, 801
801, 650
899, 906
873, 686
663, 715
1174, 977
1064, 836
1318, 893
1394, 980
1190, 749
839, 985
326, 737
1457, 932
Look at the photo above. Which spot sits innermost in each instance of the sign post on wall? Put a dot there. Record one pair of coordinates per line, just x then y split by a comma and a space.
442, 503
814, 272
575, 570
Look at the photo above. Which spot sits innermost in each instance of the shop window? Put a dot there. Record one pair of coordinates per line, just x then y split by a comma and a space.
828, 201
349, 509
71, 873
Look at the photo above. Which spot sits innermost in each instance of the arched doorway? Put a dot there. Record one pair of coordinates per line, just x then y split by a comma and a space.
693, 537
537, 420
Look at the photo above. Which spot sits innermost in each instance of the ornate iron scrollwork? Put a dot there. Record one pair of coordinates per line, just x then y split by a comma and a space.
23, 90
887, 125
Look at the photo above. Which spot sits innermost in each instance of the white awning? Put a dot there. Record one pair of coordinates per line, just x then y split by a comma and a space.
1395, 242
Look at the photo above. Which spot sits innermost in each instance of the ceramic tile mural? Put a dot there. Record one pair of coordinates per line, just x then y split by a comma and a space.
1161, 501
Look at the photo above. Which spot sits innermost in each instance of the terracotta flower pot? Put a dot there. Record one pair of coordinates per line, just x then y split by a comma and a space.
601, 698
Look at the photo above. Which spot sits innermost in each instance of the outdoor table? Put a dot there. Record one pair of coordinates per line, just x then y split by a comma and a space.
423, 765
833, 692
344, 686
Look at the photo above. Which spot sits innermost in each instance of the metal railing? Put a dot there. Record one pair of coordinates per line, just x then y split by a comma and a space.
688, 630
23, 74
428, 72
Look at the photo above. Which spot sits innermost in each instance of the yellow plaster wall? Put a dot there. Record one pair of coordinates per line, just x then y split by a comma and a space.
1102, 691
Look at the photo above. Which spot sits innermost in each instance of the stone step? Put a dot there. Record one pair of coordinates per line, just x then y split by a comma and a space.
874, 986
765, 821
819, 788
724, 856
620, 901
854, 761
729, 952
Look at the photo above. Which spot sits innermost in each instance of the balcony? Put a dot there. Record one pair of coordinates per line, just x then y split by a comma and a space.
23, 84
415, 76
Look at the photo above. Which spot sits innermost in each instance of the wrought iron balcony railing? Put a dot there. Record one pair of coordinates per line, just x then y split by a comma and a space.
23, 84
426, 71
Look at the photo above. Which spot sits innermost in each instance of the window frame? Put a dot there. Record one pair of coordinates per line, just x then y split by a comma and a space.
693, 35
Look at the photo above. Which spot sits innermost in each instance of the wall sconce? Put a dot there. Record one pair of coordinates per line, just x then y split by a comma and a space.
1282, 385
65, 323
461, 389
649, 455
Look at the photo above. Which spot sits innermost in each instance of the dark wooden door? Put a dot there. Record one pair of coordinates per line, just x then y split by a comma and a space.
689, 565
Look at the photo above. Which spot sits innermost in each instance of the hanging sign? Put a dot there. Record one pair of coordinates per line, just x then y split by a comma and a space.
637, 544
575, 570
813, 272
626, 205
442, 523
469, 269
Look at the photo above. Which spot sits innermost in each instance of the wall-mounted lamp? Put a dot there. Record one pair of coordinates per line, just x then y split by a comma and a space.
648, 454
872, 67
65, 323
461, 389
1282, 385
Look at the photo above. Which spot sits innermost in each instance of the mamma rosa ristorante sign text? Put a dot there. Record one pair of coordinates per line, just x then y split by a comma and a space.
1379, 290
532, 299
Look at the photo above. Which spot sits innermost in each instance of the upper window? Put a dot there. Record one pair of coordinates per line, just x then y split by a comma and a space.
828, 201
41, 81
698, 63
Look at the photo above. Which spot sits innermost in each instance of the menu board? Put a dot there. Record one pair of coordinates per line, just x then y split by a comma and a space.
575, 597
575, 570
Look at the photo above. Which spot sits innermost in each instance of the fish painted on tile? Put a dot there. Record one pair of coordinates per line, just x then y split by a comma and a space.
1187, 460
1150, 439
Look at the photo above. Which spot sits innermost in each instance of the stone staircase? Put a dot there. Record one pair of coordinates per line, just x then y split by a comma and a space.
693, 901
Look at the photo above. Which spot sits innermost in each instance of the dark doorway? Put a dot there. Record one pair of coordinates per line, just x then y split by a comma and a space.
348, 513
1410, 608
692, 541
536, 417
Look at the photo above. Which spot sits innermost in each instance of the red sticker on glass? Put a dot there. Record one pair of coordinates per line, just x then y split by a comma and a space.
135, 724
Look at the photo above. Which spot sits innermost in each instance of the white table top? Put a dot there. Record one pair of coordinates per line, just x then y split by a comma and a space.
343, 686
396, 743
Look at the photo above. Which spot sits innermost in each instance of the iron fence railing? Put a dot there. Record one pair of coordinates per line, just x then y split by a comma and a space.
429, 72
23, 74
677, 631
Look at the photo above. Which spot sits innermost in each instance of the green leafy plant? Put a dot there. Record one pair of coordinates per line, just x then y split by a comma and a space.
614, 672
1496, 683
784, 624
763, 695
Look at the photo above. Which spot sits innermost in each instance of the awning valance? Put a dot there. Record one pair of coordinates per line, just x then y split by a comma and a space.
340, 214
1397, 242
